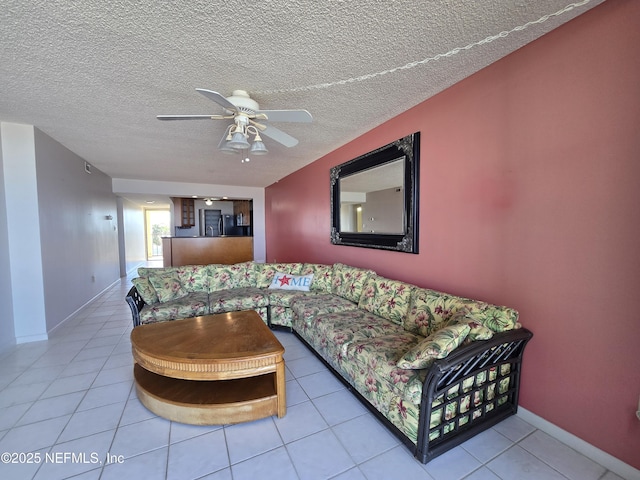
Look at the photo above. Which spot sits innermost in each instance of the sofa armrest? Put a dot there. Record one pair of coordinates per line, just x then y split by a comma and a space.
136, 303
477, 385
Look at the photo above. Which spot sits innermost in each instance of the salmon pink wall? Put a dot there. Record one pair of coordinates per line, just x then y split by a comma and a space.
529, 197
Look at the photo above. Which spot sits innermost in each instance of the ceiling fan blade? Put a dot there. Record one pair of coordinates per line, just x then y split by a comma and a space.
300, 116
219, 99
279, 136
193, 117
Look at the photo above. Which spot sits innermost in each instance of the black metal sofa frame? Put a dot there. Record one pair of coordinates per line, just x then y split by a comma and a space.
465, 362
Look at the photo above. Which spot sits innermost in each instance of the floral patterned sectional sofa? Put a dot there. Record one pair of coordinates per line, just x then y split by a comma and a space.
435, 368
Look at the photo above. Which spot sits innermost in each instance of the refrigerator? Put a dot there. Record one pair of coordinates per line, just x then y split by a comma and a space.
227, 225
214, 223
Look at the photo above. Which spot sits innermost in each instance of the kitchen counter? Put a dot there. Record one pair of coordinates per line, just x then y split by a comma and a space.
227, 249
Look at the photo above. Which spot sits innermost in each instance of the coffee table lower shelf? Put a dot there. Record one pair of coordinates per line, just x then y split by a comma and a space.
207, 402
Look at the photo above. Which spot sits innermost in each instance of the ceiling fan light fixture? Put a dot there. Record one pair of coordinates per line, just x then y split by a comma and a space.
258, 148
228, 131
224, 147
238, 141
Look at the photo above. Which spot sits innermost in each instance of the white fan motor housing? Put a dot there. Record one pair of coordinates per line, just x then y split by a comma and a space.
243, 102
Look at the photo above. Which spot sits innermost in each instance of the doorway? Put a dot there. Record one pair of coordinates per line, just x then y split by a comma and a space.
157, 225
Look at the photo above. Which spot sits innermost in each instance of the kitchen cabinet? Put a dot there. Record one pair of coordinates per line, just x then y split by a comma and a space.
184, 211
242, 211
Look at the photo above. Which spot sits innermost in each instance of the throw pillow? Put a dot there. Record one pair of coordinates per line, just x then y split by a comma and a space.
265, 272
146, 290
167, 286
284, 281
429, 311
437, 345
496, 318
477, 330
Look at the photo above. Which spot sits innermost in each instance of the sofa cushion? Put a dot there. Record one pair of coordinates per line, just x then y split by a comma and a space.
387, 298
225, 277
404, 415
284, 298
437, 345
167, 286
247, 298
249, 276
348, 281
191, 305
359, 322
306, 307
280, 305
322, 276
279, 315
264, 272
372, 364
336, 331
194, 278
145, 289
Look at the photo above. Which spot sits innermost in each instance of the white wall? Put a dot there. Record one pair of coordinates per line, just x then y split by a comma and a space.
61, 247
123, 187
23, 231
132, 236
386, 207
7, 330
78, 229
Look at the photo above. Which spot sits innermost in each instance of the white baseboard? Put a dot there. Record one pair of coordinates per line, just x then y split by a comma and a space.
134, 269
77, 310
31, 338
608, 461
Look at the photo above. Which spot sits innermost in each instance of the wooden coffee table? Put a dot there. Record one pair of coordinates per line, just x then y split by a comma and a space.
210, 370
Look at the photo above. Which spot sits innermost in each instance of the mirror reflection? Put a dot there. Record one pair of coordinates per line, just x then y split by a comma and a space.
374, 198
373, 201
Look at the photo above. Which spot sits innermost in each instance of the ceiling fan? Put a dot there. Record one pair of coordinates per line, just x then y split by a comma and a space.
247, 120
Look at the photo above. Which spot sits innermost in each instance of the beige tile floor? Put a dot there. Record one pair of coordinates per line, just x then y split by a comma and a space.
68, 409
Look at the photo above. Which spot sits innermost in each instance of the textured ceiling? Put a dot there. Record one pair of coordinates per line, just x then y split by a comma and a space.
94, 74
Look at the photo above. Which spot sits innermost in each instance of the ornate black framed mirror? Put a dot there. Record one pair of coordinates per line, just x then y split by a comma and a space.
374, 198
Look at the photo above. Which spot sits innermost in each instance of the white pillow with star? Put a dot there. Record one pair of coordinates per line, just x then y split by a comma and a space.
285, 281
